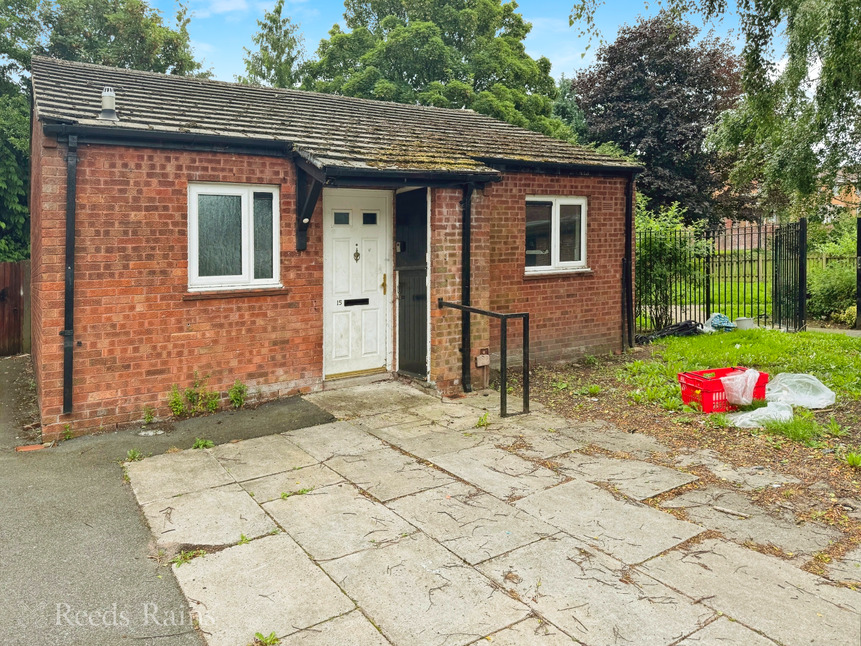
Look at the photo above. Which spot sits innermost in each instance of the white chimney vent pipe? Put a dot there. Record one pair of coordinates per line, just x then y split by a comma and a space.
109, 105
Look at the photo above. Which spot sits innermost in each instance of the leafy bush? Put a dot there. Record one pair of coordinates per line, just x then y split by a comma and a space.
847, 317
667, 252
831, 290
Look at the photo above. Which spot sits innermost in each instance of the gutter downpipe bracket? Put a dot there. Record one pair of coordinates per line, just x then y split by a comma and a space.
68, 333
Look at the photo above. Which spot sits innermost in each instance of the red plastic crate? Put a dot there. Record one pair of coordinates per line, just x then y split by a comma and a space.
705, 388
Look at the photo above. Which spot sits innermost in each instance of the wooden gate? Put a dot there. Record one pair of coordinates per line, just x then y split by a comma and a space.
11, 307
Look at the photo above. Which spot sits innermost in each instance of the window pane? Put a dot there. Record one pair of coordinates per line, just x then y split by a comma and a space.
570, 225
369, 218
262, 235
538, 233
342, 218
219, 234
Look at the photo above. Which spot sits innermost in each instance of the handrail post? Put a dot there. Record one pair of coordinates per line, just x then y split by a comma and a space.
503, 350
526, 363
503, 361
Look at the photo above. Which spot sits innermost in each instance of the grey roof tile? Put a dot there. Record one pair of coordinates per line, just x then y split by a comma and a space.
332, 131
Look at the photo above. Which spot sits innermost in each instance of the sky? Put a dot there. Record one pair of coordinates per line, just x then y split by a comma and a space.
220, 29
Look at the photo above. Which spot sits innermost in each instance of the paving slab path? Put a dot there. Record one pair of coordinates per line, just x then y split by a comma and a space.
409, 521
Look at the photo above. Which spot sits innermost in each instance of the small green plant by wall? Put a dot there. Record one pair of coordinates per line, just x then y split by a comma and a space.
237, 394
196, 399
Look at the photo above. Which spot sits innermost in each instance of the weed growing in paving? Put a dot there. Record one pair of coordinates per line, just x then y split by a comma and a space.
133, 455
243, 540
237, 394
301, 492
265, 640
200, 443
67, 432
186, 557
148, 415
482, 422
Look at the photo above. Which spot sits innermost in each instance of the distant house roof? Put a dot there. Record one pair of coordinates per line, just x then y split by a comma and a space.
330, 132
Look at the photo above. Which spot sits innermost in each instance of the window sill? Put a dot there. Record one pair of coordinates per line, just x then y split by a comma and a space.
233, 293
556, 273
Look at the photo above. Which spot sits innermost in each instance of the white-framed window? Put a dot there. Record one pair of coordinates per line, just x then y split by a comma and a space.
555, 233
233, 239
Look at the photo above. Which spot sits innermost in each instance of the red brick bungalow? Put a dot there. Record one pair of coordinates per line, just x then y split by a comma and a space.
286, 239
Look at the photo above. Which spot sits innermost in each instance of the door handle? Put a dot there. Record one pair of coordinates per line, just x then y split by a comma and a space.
384, 285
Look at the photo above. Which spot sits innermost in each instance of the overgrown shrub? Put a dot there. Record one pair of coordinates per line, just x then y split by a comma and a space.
831, 290
847, 317
667, 252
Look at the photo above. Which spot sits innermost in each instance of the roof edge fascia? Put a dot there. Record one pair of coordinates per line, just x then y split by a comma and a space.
621, 170
111, 135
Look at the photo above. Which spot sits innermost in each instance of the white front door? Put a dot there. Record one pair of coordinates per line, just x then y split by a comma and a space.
357, 281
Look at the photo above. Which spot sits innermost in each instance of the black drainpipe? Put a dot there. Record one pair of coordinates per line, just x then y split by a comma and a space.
627, 279
69, 305
465, 278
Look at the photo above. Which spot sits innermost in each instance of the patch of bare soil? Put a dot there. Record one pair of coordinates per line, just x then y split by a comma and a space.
22, 399
829, 489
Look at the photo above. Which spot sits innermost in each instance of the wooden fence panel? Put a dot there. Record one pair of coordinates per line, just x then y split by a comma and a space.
11, 308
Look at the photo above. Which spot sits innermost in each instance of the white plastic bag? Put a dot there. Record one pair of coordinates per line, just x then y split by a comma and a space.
799, 390
772, 412
739, 386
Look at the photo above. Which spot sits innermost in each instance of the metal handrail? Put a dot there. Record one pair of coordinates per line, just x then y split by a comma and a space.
503, 351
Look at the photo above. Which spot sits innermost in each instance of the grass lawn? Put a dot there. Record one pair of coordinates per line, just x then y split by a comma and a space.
639, 392
833, 358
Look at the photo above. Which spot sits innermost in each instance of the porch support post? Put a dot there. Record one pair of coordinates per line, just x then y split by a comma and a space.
308, 189
465, 284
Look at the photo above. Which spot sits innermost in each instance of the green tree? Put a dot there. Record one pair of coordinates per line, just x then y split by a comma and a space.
122, 33
280, 51
125, 33
450, 53
18, 30
567, 109
799, 125
19, 27
14, 174
655, 91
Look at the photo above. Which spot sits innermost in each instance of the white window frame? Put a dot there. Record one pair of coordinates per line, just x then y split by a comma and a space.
557, 266
245, 280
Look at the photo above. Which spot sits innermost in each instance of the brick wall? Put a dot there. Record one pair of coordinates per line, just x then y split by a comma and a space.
139, 330
571, 315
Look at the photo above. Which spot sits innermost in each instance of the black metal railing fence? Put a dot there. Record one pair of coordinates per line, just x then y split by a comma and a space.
752, 271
